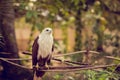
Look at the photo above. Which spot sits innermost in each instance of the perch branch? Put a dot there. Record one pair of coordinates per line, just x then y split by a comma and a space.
61, 69
76, 68
67, 54
29, 53
65, 61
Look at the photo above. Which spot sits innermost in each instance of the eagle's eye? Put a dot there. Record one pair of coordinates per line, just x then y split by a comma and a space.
47, 30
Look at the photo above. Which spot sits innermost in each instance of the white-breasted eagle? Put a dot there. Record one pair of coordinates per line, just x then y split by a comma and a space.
42, 50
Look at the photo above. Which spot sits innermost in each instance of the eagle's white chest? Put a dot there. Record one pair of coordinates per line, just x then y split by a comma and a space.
45, 46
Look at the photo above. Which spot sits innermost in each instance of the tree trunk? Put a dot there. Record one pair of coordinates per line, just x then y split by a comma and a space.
10, 72
7, 27
100, 36
79, 26
78, 38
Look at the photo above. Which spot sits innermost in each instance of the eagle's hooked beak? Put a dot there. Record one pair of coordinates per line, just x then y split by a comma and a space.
50, 31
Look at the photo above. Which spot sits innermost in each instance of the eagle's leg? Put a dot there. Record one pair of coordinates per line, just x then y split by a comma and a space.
48, 62
47, 66
37, 67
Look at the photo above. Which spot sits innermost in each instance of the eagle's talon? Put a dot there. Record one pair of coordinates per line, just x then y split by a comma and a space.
47, 66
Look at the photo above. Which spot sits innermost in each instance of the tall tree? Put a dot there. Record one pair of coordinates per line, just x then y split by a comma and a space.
10, 49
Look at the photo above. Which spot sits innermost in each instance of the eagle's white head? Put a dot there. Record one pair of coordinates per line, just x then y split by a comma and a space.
47, 31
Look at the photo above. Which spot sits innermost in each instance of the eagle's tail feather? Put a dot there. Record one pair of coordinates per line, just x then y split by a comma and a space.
38, 75
41, 63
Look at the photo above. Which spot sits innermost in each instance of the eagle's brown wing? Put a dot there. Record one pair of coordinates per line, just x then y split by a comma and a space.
35, 52
34, 58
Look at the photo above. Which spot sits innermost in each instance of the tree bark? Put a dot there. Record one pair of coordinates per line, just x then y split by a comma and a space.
10, 72
7, 26
78, 29
100, 36
78, 38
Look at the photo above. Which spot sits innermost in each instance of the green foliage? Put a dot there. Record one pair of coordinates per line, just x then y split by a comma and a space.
100, 75
39, 26
31, 16
57, 77
65, 39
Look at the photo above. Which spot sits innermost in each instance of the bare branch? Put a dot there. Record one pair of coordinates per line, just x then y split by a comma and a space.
3, 59
5, 53
66, 54
77, 52
17, 59
61, 69
75, 68
65, 61
111, 57
27, 53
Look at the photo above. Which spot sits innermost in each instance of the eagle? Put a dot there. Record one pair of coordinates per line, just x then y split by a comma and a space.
42, 50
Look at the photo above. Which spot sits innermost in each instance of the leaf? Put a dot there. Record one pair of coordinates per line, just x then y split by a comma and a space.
28, 16
35, 15
40, 26
31, 16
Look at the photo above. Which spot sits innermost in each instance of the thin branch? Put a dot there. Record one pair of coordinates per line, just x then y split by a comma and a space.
5, 53
65, 61
111, 57
67, 54
61, 69
27, 53
75, 68
3, 59
77, 52
17, 59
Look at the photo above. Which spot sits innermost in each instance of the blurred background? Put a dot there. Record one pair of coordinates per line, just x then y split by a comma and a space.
77, 25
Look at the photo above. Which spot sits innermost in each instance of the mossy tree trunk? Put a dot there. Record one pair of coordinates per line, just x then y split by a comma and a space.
100, 35
78, 29
78, 38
